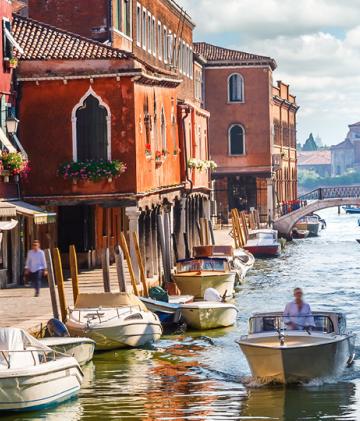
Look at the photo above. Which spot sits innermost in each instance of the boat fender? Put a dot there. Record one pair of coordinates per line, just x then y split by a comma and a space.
211, 294
55, 328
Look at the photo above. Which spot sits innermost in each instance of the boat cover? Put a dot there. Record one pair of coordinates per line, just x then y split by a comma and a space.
108, 300
16, 348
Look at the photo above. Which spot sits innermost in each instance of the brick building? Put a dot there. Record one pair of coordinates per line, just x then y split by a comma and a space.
345, 155
252, 130
136, 92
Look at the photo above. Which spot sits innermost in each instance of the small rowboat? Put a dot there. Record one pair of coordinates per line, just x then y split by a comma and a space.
300, 234
82, 349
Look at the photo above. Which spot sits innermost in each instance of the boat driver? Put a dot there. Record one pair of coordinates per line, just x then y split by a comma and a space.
297, 313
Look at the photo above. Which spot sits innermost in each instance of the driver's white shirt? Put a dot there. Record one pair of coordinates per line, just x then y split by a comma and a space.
301, 317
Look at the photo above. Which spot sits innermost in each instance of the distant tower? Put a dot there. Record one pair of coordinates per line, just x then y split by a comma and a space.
310, 144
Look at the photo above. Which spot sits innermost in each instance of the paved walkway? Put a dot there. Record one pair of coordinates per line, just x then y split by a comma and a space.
19, 307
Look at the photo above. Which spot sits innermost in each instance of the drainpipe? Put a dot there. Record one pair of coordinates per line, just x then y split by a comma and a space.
110, 23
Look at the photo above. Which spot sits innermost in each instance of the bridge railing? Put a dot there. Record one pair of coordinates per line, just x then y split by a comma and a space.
338, 192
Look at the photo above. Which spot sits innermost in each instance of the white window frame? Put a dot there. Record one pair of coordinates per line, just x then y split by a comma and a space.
191, 64
229, 139
175, 51
148, 33
153, 23
159, 40
138, 25
170, 46
89, 92
163, 138
242, 89
165, 44
180, 55
144, 28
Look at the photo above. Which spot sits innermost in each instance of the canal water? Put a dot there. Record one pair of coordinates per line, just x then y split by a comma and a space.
204, 376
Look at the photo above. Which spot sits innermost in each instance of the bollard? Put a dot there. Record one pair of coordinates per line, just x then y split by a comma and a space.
60, 283
51, 281
74, 271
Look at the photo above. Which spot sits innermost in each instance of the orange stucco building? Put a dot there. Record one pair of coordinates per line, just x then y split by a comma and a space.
252, 131
137, 93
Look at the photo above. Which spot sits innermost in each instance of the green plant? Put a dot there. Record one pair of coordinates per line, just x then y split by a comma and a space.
14, 163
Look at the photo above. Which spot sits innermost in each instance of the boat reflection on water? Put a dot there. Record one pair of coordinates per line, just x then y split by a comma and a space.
329, 401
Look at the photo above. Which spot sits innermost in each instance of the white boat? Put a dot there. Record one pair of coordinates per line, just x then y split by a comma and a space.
263, 243
195, 276
204, 315
245, 259
82, 349
316, 347
168, 312
113, 320
32, 376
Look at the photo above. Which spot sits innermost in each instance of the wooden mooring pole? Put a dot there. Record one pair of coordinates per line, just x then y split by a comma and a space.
125, 249
60, 283
141, 265
119, 263
51, 281
105, 263
74, 271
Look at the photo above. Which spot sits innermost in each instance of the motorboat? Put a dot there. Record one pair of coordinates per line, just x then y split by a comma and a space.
300, 234
82, 349
169, 312
351, 209
195, 276
211, 313
32, 375
240, 260
113, 320
309, 223
322, 221
297, 350
263, 243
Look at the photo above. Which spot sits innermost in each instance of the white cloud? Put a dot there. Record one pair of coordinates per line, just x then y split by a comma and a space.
316, 44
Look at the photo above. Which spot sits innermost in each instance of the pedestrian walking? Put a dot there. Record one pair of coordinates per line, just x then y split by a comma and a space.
35, 267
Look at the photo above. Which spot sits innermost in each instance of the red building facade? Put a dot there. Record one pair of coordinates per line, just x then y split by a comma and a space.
146, 118
245, 112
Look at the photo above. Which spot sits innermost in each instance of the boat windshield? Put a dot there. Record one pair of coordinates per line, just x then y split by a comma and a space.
261, 236
273, 323
195, 265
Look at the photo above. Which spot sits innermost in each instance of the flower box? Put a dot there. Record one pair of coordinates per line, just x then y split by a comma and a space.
201, 165
14, 164
91, 170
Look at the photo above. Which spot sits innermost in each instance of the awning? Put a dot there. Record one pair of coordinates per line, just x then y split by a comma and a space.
12, 40
7, 210
40, 215
6, 142
8, 225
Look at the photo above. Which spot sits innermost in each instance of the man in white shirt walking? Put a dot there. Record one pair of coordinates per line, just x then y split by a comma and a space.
35, 266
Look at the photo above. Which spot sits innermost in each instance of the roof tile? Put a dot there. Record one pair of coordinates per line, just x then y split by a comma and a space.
213, 53
44, 42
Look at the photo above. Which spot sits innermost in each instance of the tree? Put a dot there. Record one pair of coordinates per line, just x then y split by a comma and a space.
310, 144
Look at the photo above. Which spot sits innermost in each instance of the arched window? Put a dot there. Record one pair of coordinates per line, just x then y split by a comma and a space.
163, 129
236, 140
236, 88
91, 129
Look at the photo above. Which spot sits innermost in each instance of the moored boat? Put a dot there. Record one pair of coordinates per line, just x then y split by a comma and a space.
318, 347
33, 376
351, 209
82, 349
309, 223
204, 315
113, 320
263, 243
195, 276
300, 234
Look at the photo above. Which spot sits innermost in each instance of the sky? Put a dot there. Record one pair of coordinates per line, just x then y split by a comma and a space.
316, 44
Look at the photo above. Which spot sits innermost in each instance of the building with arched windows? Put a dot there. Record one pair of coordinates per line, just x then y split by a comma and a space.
252, 131
111, 127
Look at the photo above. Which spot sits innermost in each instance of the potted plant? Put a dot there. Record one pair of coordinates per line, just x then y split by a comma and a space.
13, 164
13, 63
148, 152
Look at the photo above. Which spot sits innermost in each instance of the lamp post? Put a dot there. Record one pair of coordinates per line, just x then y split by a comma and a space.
12, 124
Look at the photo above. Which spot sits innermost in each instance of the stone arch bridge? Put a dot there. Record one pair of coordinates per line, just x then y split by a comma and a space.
322, 198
